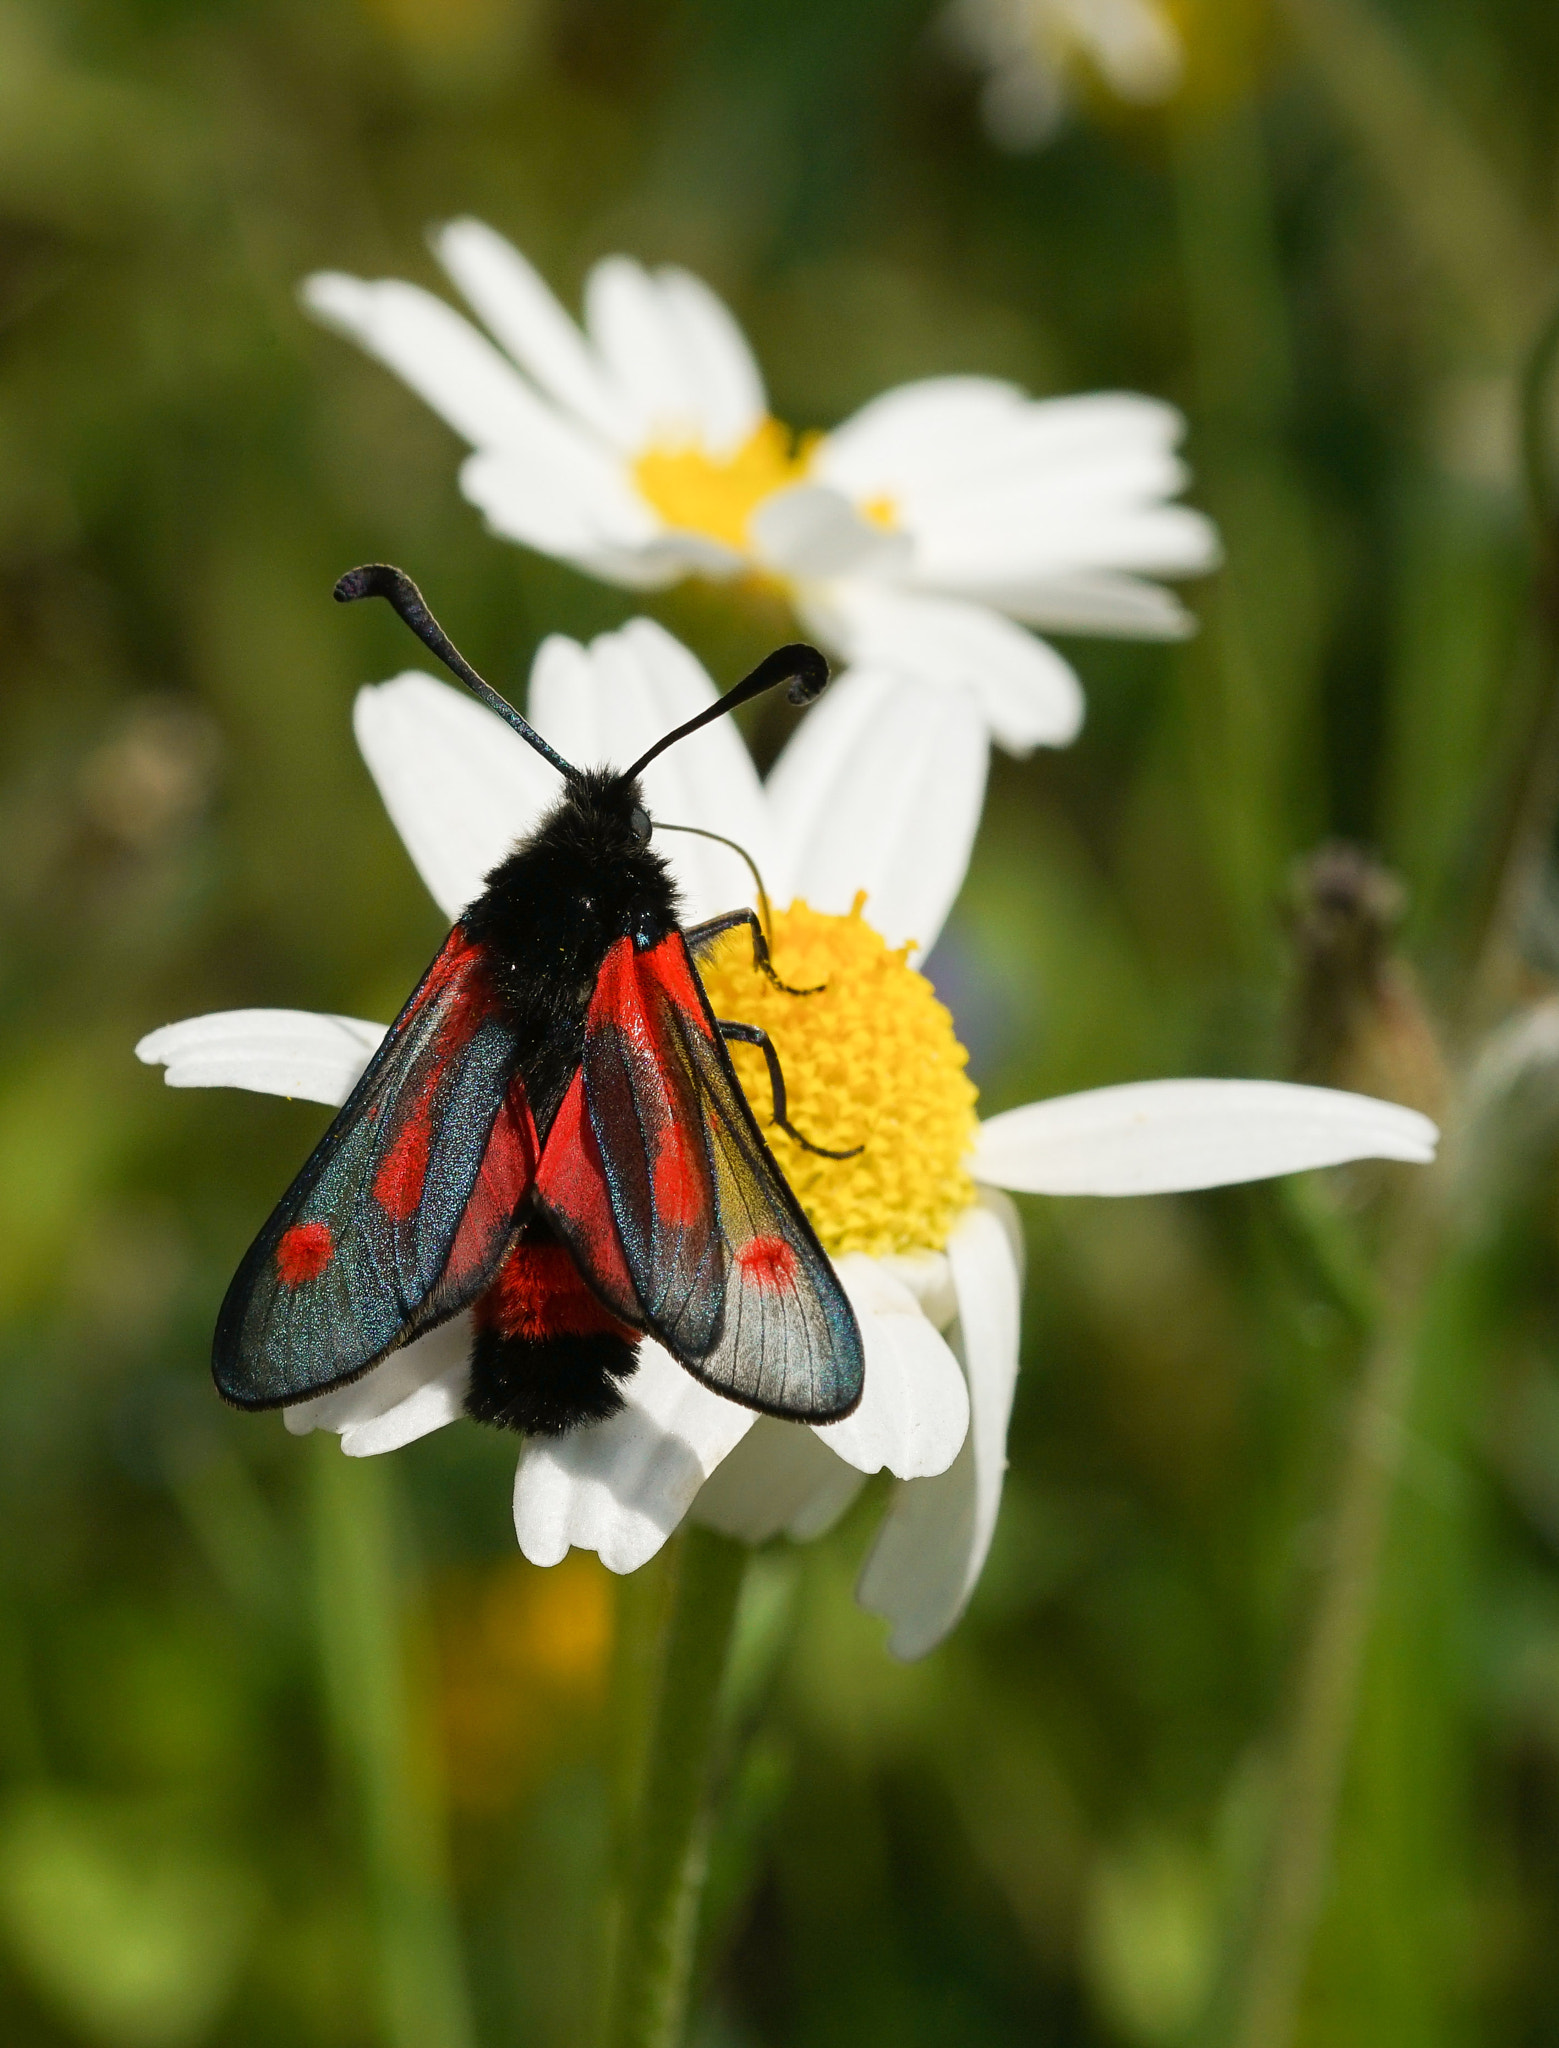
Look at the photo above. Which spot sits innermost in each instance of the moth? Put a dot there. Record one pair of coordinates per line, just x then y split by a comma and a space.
551, 1134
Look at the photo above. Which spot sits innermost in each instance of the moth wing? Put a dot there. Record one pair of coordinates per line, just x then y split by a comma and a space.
405, 1208
669, 1172
573, 1192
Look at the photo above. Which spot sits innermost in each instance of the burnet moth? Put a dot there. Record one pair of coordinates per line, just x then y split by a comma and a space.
552, 1135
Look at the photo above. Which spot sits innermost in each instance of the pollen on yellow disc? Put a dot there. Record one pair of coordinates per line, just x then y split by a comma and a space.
717, 495
871, 1061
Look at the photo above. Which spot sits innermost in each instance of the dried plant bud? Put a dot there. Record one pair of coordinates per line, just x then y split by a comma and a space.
1359, 1018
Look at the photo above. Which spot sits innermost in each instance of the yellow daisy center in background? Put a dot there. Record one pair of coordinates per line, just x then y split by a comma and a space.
717, 496
872, 1061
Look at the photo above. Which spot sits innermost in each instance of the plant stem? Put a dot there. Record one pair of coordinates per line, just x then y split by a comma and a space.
1530, 790
359, 1555
1329, 1680
666, 1857
1326, 1691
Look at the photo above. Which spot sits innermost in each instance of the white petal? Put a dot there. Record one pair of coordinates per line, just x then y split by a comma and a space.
953, 429
880, 788
623, 542
1137, 47
966, 541
1098, 601
520, 310
273, 1052
999, 492
929, 1277
914, 1409
645, 351
459, 785
1161, 1137
727, 381
779, 1477
415, 1391
937, 1532
812, 531
870, 452
612, 701
1029, 695
1023, 101
484, 398
620, 1487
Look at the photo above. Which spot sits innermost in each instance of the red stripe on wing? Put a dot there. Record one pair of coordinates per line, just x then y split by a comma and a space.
460, 980
744, 1295
571, 1183
629, 980
503, 1180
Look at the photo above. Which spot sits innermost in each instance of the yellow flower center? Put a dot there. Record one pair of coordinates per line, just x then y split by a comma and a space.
717, 495
871, 1061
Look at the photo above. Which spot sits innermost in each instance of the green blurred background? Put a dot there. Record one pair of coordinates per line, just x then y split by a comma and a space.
300, 1751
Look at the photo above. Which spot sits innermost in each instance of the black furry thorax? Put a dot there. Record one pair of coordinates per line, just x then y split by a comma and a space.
586, 877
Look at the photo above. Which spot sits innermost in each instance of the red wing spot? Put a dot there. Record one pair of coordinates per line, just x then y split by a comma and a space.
767, 1263
679, 1196
398, 1183
303, 1253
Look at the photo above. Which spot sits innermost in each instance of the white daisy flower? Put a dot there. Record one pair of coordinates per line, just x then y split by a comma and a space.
918, 539
863, 830
1028, 50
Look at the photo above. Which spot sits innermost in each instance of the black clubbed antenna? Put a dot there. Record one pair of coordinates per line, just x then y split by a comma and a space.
378, 579
799, 665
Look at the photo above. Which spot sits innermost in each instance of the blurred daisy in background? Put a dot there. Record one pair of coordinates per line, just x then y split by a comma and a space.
919, 539
921, 1230
1030, 52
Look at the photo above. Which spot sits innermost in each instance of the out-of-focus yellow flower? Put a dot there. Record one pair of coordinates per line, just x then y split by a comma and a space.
522, 1656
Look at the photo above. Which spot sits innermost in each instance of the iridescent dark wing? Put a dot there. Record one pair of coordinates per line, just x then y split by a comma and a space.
405, 1208
656, 1176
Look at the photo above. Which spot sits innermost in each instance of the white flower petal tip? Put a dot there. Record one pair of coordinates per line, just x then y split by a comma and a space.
780, 1479
881, 789
270, 1052
937, 1532
914, 1408
1029, 695
620, 1487
415, 1391
1168, 1137
459, 786
519, 309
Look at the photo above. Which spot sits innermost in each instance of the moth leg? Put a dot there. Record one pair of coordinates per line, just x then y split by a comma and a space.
754, 1034
702, 936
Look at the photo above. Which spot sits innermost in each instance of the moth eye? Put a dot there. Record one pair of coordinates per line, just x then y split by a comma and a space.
639, 824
